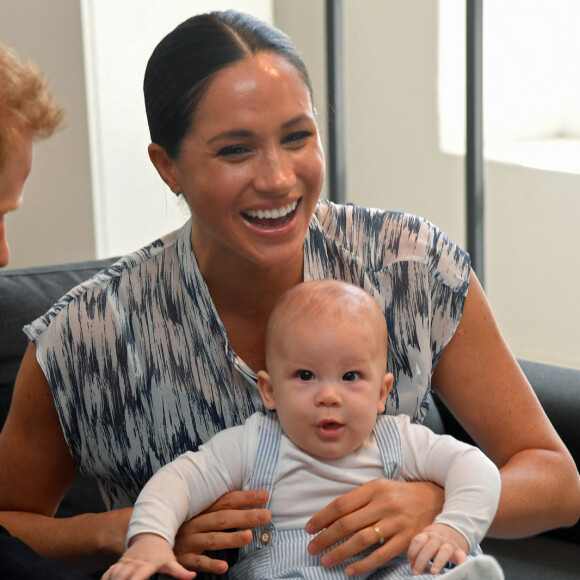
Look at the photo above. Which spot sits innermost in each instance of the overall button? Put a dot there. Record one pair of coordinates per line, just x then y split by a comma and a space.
266, 537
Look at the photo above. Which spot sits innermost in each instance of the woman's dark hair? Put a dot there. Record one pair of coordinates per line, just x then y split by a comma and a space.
183, 64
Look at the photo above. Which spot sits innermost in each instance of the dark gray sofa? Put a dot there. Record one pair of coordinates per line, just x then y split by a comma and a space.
27, 293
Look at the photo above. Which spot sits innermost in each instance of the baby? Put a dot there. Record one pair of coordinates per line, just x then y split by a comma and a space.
325, 387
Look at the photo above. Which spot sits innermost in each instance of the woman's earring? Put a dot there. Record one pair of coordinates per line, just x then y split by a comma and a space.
176, 192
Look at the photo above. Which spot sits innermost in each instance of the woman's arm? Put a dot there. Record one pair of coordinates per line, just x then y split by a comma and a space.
37, 469
480, 381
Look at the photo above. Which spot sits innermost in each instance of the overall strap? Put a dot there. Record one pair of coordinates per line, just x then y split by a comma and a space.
263, 474
266, 461
388, 439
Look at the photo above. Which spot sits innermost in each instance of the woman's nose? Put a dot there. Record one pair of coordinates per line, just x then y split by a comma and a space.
275, 173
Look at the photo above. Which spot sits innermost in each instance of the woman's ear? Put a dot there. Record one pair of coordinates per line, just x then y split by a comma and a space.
266, 390
386, 385
164, 164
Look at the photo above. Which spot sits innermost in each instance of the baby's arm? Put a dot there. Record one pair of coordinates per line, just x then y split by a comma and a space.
189, 484
147, 554
440, 543
472, 488
175, 493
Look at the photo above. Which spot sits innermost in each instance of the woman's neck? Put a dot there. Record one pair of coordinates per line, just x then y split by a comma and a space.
243, 295
247, 288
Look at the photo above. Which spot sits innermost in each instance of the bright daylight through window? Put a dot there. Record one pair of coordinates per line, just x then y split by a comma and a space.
531, 83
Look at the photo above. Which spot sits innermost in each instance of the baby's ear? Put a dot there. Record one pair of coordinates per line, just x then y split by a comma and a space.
266, 390
386, 385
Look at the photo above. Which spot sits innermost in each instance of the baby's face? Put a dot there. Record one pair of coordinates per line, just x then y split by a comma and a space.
327, 384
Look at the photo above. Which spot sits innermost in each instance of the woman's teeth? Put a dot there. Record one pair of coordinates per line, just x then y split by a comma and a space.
272, 214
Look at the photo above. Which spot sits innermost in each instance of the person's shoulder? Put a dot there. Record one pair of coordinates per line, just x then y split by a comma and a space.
383, 237
399, 422
97, 291
392, 226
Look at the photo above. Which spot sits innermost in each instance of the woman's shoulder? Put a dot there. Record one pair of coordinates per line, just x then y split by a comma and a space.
392, 228
97, 291
384, 237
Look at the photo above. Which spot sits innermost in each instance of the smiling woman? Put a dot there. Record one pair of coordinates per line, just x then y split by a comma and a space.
237, 161
161, 351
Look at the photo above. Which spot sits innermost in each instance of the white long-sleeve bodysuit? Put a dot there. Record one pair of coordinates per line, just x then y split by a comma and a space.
303, 485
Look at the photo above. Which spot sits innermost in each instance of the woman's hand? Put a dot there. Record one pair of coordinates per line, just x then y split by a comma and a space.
398, 510
206, 531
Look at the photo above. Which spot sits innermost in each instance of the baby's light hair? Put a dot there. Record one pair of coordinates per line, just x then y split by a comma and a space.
318, 300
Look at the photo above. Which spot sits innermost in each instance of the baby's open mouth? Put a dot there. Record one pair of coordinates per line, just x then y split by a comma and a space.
271, 218
330, 427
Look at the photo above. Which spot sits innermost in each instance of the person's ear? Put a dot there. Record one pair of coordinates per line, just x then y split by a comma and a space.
165, 165
386, 385
266, 390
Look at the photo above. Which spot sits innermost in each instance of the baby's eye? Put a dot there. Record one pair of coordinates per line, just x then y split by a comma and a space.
305, 375
350, 376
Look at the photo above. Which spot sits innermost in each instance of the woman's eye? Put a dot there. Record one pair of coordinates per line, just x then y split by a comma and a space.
305, 375
233, 150
297, 137
350, 376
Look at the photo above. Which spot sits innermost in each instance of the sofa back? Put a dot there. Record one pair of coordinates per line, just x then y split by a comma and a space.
26, 294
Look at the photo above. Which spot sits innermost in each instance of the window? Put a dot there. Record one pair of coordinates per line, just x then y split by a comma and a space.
531, 85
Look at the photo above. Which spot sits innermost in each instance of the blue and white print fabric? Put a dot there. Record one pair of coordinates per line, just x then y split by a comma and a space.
141, 369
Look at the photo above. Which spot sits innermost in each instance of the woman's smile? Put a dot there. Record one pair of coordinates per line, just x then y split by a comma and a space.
271, 219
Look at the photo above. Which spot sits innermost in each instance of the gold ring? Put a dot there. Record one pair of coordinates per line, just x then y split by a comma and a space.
380, 536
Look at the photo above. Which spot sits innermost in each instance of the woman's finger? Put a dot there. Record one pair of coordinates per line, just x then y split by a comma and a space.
211, 541
202, 563
360, 541
225, 520
384, 553
207, 532
358, 528
339, 508
399, 509
237, 500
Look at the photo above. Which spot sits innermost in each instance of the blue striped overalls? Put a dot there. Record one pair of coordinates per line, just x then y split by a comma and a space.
282, 554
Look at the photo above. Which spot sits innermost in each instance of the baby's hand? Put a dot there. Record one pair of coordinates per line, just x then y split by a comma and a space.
439, 542
147, 554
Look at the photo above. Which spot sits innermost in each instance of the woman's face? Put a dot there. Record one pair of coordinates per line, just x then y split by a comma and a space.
251, 167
